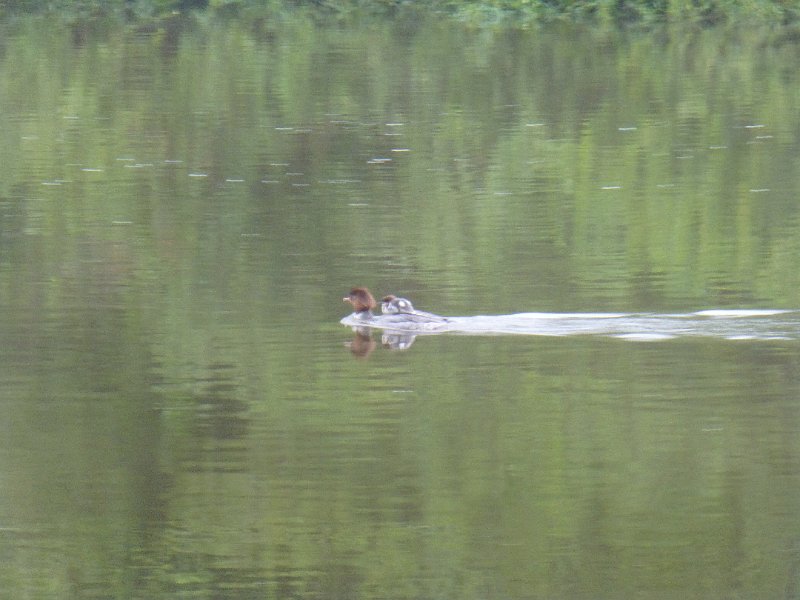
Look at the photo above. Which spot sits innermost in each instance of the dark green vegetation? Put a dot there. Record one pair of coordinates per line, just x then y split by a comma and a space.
481, 12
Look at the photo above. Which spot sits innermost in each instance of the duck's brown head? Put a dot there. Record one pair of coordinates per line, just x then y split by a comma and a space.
361, 299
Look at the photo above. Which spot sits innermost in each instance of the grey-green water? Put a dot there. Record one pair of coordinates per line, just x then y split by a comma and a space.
182, 210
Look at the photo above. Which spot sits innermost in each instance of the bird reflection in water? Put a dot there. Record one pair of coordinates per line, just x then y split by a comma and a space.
362, 344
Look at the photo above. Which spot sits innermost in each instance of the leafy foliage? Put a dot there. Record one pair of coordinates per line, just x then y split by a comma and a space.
483, 12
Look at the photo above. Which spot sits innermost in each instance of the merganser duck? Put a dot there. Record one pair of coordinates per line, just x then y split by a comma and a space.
362, 302
399, 313
392, 305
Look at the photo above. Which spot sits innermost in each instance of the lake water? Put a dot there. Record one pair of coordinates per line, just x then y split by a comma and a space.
183, 207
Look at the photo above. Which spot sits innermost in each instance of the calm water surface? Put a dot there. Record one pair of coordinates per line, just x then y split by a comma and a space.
182, 210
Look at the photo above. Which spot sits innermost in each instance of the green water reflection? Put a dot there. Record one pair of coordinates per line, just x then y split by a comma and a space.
182, 210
